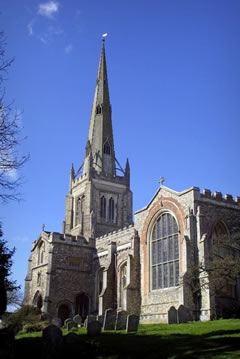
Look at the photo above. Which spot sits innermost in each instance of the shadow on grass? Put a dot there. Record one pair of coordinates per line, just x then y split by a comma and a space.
219, 344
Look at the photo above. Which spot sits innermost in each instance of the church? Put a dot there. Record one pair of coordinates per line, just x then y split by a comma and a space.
104, 259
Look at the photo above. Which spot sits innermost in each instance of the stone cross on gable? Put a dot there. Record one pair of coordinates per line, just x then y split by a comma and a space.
162, 179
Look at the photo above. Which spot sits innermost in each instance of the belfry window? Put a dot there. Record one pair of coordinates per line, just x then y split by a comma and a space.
41, 250
111, 209
165, 252
107, 148
103, 207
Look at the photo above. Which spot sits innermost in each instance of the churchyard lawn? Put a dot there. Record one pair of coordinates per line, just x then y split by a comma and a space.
205, 340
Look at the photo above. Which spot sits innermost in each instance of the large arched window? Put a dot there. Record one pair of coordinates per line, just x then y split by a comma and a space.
165, 252
222, 254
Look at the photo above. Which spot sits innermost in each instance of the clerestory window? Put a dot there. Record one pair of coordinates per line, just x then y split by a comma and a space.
164, 257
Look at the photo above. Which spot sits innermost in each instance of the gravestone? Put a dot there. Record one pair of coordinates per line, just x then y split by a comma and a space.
121, 322
56, 321
71, 325
100, 319
77, 319
52, 342
132, 323
109, 319
67, 321
94, 328
184, 314
89, 319
172, 315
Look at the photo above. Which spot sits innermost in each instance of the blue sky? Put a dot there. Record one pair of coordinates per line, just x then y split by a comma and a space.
174, 78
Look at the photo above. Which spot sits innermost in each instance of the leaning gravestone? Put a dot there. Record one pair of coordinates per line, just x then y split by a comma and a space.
109, 319
132, 323
71, 325
77, 319
184, 314
172, 315
94, 328
121, 322
52, 342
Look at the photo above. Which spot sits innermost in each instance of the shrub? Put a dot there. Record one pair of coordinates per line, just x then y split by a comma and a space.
23, 316
34, 327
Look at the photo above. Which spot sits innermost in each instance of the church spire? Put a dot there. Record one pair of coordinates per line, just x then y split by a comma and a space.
100, 135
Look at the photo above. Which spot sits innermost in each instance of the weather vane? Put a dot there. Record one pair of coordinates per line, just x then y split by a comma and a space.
104, 35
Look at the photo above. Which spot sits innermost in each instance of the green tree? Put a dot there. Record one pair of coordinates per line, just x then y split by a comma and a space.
6, 262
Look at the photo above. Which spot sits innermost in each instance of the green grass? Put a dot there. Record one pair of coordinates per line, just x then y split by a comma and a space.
205, 340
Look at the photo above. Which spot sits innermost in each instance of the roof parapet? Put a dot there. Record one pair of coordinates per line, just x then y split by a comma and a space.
228, 198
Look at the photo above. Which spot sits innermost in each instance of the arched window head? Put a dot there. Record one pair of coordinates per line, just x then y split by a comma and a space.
111, 209
164, 252
98, 109
103, 207
107, 148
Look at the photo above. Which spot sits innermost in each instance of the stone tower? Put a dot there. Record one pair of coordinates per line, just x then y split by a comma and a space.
99, 200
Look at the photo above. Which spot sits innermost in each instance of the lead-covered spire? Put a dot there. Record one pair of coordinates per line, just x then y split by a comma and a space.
100, 137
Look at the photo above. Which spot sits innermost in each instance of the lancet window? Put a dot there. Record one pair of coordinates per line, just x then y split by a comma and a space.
79, 210
103, 207
111, 209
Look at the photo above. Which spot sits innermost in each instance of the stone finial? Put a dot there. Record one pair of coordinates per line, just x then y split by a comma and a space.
43, 227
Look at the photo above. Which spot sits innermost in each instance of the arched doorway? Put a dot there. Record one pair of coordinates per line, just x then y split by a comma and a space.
63, 312
37, 300
82, 305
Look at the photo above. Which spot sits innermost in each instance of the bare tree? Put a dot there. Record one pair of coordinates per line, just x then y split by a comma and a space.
15, 298
219, 271
10, 137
